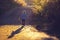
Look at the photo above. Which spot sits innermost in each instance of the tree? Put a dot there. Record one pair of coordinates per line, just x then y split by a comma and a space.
38, 5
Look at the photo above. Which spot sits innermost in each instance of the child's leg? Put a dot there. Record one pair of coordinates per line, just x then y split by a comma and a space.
23, 21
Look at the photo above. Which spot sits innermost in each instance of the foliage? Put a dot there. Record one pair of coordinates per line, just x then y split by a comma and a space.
39, 5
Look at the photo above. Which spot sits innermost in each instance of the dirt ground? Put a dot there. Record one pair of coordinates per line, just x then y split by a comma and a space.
27, 33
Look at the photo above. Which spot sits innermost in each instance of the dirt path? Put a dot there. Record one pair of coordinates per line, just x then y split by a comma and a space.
27, 33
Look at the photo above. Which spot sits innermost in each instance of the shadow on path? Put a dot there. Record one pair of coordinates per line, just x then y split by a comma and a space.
16, 32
